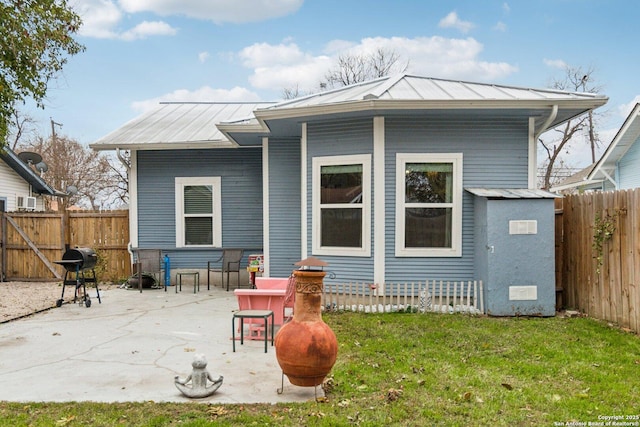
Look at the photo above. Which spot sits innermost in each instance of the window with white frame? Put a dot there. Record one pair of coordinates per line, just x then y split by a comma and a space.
341, 220
428, 204
198, 212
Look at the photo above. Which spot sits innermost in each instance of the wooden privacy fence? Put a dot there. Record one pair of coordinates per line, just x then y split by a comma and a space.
599, 255
31, 242
432, 296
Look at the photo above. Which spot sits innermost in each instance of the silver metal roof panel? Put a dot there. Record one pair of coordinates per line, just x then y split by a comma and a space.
186, 123
512, 193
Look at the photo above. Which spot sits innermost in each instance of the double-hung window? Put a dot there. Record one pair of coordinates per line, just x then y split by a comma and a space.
341, 202
198, 212
428, 204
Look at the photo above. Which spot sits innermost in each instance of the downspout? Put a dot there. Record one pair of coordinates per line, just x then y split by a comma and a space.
533, 144
123, 160
127, 166
545, 125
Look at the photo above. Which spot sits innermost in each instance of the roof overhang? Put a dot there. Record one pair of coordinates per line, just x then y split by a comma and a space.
37, 183
512, 193
604, 169
276, 122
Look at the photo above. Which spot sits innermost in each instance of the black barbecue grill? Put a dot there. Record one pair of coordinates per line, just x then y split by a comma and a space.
81, 262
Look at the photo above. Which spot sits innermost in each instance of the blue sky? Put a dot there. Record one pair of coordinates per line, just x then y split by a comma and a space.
140, 52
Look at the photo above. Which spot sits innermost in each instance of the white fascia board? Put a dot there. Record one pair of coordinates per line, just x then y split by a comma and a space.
633, 116
586, 182
186, 145
399, 105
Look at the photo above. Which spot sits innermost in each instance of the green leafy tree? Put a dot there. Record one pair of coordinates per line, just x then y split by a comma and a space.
35, 43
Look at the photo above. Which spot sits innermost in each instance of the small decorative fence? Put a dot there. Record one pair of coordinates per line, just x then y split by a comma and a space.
436, 296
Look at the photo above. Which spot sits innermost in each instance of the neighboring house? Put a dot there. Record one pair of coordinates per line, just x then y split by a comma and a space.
370, 178
619, 166
21, 189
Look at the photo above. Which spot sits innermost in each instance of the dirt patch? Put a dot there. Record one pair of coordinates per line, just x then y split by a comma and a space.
19, 299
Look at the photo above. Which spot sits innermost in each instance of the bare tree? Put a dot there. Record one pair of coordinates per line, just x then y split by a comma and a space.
354, 68
575, 79
74, 166
21, 128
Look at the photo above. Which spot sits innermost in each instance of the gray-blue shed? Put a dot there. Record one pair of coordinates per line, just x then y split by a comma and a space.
515, 250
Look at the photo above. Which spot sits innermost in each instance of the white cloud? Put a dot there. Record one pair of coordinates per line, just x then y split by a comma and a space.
555, 63
506, 8
262, 54
286, 65
500, 26
625, 109
99, 17
146, 29
102, 18
453, 21
218, 11
203, 94
203, 56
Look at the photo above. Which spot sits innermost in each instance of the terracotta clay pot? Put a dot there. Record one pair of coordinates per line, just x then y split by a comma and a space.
306, 347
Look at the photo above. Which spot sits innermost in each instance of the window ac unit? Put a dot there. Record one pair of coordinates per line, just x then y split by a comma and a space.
27, 203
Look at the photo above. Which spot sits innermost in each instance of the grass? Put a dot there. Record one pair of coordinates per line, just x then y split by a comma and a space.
431, 369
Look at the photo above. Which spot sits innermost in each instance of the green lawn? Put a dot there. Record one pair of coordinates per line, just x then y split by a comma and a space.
423, 369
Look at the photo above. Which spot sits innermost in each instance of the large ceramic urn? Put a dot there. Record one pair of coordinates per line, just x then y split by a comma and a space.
306, 347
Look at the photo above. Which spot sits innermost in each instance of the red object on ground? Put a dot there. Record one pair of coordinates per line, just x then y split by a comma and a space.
306, 347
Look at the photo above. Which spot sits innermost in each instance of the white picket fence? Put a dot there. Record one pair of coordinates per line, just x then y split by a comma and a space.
437, 296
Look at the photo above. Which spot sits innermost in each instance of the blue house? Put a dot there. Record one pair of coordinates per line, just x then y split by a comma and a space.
371, 177
619, 166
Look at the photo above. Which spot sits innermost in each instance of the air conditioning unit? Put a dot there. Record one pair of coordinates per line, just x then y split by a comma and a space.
27, 203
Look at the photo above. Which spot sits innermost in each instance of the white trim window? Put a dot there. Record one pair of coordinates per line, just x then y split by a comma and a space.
428, 205
341, 201
198, 212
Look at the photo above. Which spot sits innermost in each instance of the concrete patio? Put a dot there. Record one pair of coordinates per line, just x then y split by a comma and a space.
130, 347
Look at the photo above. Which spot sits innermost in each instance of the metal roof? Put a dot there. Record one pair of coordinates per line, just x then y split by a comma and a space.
416, 88
21, 168
190, 124
512, 193
211, 125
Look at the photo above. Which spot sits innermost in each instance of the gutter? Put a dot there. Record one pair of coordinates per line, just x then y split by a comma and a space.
545, 125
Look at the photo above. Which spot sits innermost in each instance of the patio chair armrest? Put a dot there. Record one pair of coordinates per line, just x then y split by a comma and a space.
215, 261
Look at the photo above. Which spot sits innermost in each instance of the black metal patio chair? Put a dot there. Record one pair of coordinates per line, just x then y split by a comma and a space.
229, 262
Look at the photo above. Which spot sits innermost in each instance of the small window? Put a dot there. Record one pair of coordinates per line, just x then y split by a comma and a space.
198, 212
341, 198
428, 204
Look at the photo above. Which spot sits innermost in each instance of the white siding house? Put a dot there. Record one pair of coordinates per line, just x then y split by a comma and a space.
20, 187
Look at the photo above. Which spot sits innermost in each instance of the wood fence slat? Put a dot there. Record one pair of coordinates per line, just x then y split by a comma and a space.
613, 293
50, 234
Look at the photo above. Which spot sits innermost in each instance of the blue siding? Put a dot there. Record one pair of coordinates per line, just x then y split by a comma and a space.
629, 167
338, 138
241, 172
284, 206
495, 154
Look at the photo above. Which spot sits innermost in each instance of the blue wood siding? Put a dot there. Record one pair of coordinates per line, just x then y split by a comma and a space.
495, 154
284, 206
338, 138
629, 167
241, 175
